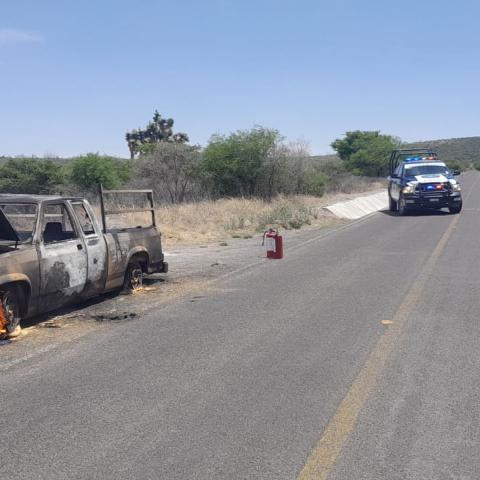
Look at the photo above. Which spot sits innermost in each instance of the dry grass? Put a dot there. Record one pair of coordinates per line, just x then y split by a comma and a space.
218, 220
236, 217
210, 221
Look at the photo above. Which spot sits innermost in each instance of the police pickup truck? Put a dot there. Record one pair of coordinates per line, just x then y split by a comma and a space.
419, 181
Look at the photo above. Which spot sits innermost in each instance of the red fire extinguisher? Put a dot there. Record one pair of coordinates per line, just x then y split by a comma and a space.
273, 243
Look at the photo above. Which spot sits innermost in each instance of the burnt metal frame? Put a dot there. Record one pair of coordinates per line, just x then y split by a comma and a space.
70, 214
105, 212
37, 219
396, 154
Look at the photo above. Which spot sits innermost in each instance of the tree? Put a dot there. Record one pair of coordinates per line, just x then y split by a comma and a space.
171, 165
366, 153
293, 177
158, 130
242, 162
30, 175
314, 182
92, 169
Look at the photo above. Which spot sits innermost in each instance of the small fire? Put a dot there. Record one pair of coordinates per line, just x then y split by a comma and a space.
3, 318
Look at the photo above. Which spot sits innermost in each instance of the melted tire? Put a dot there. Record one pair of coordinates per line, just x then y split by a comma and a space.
12, 305
133, 277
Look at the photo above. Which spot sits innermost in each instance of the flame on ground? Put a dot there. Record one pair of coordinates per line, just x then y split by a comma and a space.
3, 318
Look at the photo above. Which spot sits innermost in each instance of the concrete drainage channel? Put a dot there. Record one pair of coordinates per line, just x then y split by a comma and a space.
361, 206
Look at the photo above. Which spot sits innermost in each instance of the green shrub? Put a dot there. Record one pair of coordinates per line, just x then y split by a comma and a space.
30, 175
91, 170
476, 164
366, 153
315, 182
286, 216
455, 165
236, 165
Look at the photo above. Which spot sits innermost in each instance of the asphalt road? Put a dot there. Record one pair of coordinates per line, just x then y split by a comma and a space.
355, 357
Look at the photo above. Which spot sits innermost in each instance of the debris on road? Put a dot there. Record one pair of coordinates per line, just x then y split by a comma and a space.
197, 297
50, 324
115, 316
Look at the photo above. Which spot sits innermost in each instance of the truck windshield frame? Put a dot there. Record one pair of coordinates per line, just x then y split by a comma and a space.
18, 219
414, 170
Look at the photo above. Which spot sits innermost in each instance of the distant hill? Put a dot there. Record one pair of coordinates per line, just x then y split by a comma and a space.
462, 150
465, 151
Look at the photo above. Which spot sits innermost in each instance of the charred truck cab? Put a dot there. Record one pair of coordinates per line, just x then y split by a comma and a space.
54, 252
420, 181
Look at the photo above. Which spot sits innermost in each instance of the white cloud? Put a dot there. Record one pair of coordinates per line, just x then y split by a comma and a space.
10, 36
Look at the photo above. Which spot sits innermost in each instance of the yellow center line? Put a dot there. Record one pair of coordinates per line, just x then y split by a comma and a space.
324, 456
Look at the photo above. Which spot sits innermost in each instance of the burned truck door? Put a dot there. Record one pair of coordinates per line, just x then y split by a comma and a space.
96, 248
63, 257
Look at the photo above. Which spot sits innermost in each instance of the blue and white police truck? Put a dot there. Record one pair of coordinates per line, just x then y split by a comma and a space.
420, 181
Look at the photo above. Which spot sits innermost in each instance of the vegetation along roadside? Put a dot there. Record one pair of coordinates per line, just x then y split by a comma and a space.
236, 185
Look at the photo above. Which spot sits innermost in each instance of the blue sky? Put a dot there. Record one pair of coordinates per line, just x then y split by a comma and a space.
75, 76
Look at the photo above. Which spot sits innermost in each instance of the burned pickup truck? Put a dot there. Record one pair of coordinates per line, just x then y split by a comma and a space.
53, 252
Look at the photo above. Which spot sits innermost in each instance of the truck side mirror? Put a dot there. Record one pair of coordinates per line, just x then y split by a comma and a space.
457, 172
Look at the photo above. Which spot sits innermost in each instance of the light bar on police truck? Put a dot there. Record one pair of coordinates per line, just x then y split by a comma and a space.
420, 159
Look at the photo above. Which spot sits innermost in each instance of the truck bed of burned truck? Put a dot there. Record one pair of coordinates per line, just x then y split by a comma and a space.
54, 252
